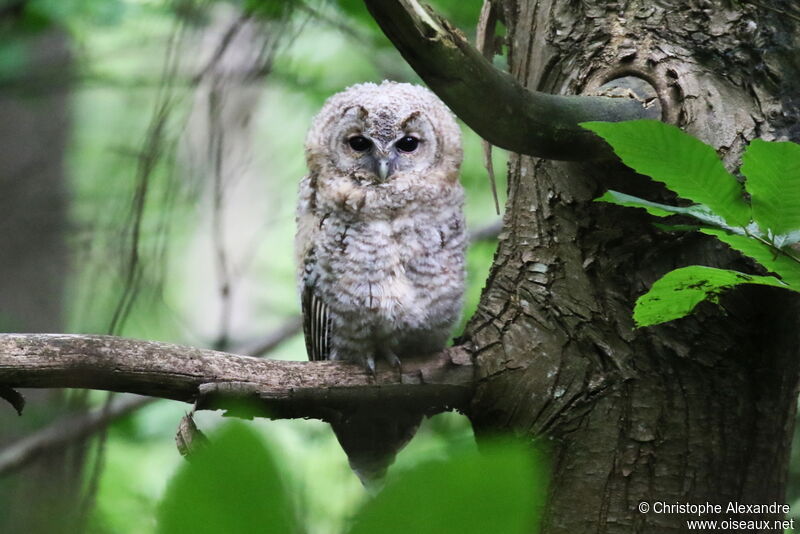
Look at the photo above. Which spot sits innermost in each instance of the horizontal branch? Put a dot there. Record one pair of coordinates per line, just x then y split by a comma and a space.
436, 384
491, 101
277, 389
490, 232
60, 432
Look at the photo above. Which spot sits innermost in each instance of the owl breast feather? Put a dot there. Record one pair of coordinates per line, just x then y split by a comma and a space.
393, 280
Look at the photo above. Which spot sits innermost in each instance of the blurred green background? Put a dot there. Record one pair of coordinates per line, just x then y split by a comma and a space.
152, 152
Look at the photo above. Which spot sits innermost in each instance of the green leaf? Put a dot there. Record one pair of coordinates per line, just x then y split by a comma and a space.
677, 293
698, 211
773, 181
684, 164
230, 486
774, 261
497, 490
630, 201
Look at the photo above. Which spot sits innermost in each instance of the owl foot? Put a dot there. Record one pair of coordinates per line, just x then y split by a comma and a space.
390, 357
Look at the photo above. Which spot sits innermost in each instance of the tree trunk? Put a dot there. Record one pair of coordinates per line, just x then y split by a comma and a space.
697, 410
34, 127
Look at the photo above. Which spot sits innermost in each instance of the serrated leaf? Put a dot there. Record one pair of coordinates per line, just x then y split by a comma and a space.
678, 292
684, 164
470, 493
773, 181
232, 486
698, 211
778, 262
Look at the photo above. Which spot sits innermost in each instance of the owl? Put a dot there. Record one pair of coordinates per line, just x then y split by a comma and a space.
380, 245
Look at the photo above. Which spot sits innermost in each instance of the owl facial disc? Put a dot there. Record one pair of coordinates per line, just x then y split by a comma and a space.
377, 134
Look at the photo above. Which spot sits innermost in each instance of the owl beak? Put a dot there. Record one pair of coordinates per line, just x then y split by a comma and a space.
384, 165
384, 168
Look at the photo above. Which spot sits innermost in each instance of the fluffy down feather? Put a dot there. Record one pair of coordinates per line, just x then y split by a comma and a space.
380, 259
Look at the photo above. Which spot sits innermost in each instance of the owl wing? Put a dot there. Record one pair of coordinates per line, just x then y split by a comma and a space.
316, 323
316, 319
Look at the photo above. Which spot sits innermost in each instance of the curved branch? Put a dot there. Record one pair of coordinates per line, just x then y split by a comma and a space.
277, 389
62, 431
491, 101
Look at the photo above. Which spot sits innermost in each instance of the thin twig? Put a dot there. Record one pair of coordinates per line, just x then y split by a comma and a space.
67, 430
271, 341
486, 233
773, 9
484, 42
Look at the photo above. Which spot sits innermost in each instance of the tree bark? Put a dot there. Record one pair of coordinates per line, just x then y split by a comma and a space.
213, 380
697, 410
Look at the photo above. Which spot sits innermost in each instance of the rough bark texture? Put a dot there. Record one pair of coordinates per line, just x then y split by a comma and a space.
697, 410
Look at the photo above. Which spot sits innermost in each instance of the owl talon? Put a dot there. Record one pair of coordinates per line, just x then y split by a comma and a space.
370, 363
393, 360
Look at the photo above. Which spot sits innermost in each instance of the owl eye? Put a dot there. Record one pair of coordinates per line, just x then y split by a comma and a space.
407, 144
359, 143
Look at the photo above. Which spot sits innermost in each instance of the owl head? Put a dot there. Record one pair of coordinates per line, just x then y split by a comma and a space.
376, 133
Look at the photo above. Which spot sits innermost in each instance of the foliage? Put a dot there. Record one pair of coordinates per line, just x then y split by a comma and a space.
762, 225
494, 490
38, 14
233, 486
679, 291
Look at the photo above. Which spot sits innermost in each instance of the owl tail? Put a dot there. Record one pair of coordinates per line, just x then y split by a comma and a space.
372, 441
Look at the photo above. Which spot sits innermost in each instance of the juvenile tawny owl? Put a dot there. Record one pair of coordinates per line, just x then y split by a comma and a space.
380, 244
